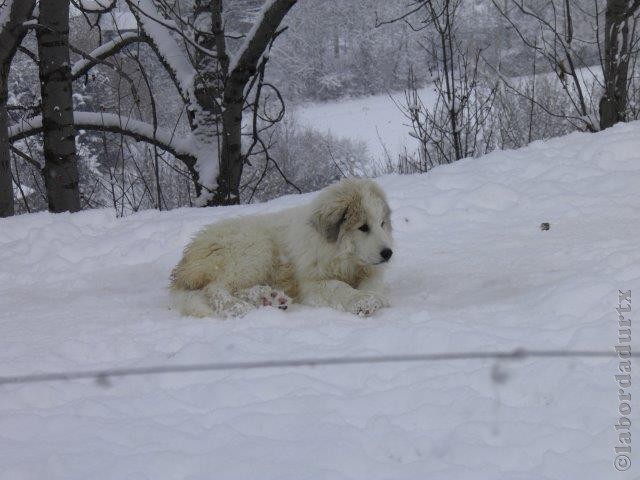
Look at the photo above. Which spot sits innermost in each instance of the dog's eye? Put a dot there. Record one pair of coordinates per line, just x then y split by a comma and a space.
382, 224
364, 228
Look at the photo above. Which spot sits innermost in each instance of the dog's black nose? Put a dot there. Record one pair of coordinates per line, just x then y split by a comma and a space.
386, 254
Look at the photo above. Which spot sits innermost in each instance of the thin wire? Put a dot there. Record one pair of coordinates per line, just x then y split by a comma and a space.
103, 376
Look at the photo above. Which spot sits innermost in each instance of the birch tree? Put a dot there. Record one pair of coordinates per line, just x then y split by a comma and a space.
60, 165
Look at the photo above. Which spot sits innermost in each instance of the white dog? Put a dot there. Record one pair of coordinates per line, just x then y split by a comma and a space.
328, 253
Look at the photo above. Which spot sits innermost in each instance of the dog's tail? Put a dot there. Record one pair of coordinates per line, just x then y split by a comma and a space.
191, 302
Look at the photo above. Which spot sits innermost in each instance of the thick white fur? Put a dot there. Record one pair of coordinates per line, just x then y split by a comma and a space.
314, 254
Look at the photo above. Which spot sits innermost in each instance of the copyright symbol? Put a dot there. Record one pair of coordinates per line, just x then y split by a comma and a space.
622, 463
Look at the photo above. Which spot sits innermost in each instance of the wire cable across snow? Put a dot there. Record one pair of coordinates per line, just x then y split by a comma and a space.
104, 375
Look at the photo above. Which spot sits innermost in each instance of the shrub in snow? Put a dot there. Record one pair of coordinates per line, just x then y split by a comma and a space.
308, 158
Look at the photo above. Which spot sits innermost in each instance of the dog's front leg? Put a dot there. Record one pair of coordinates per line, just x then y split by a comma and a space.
375, 285
341, 296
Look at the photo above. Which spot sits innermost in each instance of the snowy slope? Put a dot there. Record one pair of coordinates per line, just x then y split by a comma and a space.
472, 271
375, 120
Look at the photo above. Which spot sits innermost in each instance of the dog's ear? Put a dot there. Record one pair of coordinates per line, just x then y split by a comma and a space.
327, 219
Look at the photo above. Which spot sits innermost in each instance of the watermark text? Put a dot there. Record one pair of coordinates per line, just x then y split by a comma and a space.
622, 460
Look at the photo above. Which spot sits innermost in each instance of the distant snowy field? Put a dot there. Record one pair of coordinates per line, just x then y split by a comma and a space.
376, 120
472, 271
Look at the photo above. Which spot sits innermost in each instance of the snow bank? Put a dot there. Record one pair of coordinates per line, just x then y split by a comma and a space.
472, 271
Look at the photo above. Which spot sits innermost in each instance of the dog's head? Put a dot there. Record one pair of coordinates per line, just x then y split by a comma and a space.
354, 214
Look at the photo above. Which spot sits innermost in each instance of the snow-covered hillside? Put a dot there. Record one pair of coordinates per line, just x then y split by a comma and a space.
376, 120
472, 271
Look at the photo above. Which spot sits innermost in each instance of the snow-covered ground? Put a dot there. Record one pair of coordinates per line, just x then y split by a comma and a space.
472, 271
376, 120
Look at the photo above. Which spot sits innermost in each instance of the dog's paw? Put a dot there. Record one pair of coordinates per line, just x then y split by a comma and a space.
365, 304
277, 299
265, 296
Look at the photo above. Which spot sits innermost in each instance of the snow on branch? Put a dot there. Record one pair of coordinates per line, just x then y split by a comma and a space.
244, 62
94, 6
104, 51
110, 122
174, 58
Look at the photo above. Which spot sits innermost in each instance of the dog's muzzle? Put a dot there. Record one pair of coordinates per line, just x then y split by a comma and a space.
386, 253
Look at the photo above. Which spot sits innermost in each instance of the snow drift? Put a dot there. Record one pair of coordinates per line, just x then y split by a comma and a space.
472, 270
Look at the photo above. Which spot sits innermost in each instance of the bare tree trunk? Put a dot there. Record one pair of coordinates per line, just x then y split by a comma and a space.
11, 36
231, 162
61, 169
613, 103
6, 184
442, 16
446, 38
209, 82
245, 67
